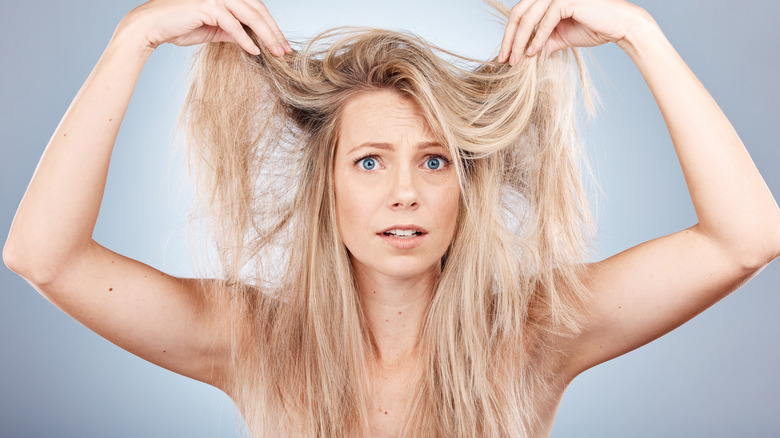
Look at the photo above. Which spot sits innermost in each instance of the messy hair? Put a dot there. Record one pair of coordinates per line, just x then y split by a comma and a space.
261, 139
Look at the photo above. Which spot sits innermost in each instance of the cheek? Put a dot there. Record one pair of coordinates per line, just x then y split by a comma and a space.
447, 206
351, 203
347, 213
454, 197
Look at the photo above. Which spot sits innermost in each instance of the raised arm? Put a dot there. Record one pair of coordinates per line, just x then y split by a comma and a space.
163, 319
646, 291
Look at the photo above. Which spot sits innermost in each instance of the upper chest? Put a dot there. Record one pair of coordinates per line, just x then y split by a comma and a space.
391, 390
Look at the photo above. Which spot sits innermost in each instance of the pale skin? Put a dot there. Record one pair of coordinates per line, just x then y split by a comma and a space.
390, 172
639, 294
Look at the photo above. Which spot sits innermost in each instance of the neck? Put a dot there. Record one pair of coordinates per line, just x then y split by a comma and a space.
395, 309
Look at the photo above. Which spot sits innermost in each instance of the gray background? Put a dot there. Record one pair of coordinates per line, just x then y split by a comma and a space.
714, 377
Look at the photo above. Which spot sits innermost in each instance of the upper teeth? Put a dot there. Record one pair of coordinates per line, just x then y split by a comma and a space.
402, 232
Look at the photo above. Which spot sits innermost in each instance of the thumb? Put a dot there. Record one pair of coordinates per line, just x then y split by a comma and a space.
554, 44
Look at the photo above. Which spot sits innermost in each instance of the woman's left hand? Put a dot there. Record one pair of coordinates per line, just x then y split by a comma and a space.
565, 23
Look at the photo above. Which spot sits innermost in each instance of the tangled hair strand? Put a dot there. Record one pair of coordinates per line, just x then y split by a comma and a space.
262, 133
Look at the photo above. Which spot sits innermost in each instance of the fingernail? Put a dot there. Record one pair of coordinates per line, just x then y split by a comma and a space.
500, 55
287, 44
513, 59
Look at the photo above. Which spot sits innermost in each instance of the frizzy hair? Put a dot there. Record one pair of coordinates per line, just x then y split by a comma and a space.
261, 138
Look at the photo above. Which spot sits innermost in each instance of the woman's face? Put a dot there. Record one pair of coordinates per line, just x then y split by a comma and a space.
397, 192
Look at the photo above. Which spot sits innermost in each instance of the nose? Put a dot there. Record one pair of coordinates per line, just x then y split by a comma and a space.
404, 189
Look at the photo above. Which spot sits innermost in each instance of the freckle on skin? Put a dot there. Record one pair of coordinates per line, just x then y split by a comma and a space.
400, 313
385, 412
387, 320
110, 289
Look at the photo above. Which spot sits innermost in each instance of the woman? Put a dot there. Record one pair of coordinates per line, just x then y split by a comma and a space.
562, 332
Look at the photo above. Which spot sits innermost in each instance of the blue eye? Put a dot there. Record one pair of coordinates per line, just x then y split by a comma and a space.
367, 163
434, 163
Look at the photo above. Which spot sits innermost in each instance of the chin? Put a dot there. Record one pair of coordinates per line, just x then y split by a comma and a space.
410, 270
401, 267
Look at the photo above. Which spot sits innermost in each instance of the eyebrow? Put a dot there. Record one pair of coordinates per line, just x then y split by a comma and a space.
389, 147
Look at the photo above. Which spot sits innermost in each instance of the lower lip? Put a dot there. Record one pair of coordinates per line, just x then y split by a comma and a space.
402, 243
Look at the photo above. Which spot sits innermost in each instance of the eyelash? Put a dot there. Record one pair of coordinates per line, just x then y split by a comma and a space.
363, 157
440, 157
427, 157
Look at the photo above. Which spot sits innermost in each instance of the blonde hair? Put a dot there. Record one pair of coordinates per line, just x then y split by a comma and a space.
262, 133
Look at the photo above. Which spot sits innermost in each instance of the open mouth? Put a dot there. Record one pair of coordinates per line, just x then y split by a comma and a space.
402, 234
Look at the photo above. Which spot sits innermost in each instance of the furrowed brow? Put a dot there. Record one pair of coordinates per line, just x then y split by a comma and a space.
430, 145
389, 147
385, 146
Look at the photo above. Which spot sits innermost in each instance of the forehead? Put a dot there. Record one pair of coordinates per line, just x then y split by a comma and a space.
382, 116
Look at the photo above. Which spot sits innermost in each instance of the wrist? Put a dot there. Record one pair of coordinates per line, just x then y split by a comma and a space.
129, 34
642, 32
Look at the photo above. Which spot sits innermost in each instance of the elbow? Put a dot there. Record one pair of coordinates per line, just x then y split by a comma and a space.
775, 246
773, 241
16, 262
13, 261
751, 251
756, 256
10, 257
756, 262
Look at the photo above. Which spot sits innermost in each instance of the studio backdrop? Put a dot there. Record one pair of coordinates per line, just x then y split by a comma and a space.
714, 377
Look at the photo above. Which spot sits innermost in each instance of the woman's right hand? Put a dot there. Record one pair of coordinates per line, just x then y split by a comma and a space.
172, 322
189, 22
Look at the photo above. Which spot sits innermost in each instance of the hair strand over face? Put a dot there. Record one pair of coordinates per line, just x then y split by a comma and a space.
261, 134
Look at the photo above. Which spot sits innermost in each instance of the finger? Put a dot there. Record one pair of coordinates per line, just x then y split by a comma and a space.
556, 40
543, 31
511, 28
526, 26
554, 43
228, 23
272, 24
255, 15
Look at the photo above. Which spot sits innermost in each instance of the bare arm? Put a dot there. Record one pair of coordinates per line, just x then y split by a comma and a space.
161, 318
646, 291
